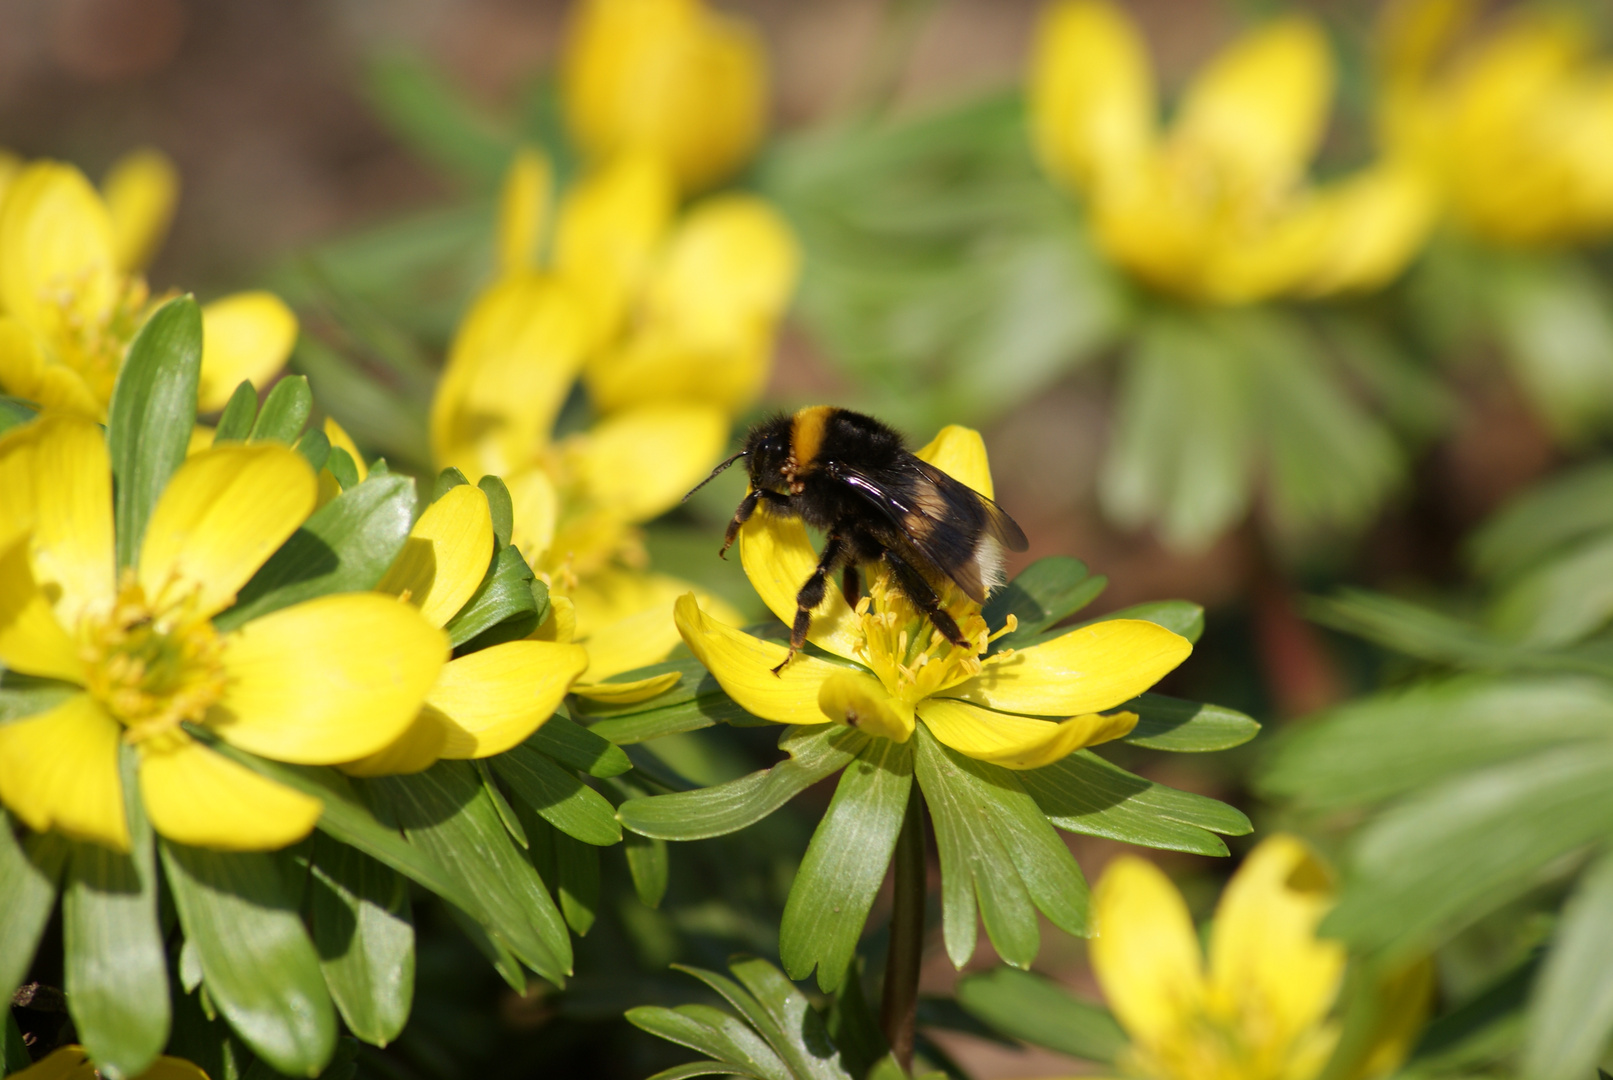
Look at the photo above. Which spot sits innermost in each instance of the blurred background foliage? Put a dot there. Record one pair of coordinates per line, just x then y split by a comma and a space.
1382, 468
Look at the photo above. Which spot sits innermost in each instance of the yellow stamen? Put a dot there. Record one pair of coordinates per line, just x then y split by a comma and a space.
908, 654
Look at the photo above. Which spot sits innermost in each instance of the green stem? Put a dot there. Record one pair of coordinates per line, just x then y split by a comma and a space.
898, 1008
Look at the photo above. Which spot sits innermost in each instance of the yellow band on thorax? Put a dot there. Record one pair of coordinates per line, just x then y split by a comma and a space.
806, 435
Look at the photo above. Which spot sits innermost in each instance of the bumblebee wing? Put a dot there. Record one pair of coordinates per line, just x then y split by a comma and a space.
949, 525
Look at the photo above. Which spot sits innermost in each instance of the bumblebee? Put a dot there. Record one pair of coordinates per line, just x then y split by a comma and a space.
852, 476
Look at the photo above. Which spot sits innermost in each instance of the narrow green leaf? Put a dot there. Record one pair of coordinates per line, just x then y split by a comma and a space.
703, 1068
578, 881
257, 962
712, 1032
359, 915
448, 814
1479, 1018
14, 411
506, 812
1572, 1010
284, 412
1042, 1013
344, 546
447, 480
28, 876
815, 753
845, 863
343, 468
503, 599
1045, 592
492, 946
433, 116
781, 1015
376, 415
503, 509
314, 447
14, 1055
235, 422
151, 414
1547, 518
1086, 794
558, 796
1167, 723
707, 710
25, 695
576, 747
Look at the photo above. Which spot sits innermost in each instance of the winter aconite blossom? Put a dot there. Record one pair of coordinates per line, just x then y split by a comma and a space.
140, 658
72, 295
74, 1063
1260, 1008
1021, 709
1217, 207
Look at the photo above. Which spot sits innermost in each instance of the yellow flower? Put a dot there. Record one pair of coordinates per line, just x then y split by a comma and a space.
1261, 1010
671, 77
73, 1063
484, 702
1514, 125
994, 708
324, 681
1217, 208
71, 296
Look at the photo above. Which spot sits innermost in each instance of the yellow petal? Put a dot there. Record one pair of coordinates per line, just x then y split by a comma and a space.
667, 76
523, 202
1378, 220
1145, 953
778, 558
960, 452
416, 750
1018, 742
1091, 92
1086, 670
1412, 35
31, 640
71, 512
1260, 108
729, 266
328, 680
59, 770
339, 437
659, 363
493, 699
535, 511
743, 665
1264, 954
141, 190
198, 797
55, 242
860, 700
222, 515
510, 367
67, 1063
172, 1068
625, 617
25, 373
640, 463
245, 336
561, 625
201, 438
446, 556
628, 693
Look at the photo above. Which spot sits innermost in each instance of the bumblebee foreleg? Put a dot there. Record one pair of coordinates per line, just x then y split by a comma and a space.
923, 596
742, 513
835, 551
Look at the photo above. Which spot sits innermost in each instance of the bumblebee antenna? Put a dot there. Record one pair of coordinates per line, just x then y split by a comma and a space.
714, 474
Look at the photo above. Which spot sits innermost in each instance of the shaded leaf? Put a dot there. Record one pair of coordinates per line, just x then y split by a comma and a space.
284, 412
558, 796
362, 930
1040, 1012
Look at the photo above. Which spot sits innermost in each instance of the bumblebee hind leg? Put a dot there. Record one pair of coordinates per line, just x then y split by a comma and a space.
835, 551
919, 591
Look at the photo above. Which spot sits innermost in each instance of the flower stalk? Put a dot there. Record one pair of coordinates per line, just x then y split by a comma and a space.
898, 1008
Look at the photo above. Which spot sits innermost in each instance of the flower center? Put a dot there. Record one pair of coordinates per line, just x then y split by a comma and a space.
152, 665
908, 654
92, 340
1226, 1041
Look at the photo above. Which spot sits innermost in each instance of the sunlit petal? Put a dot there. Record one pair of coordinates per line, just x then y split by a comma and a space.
609, 226
24, 373
197, 797
1086, 670
778, 558
561, 625
641, 462
1145, 953
59, 770
31, 640
446, 556
960, 452
625, 617
631, 692
743, 665
55, 240
221, 516
72, 513
492, 699
1017, 742
523, 203
332, 679
860, 700
535, 508
245, 336
141, 190
416, 750
659, 363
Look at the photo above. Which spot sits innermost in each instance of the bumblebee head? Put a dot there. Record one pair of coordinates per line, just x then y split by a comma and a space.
767, 453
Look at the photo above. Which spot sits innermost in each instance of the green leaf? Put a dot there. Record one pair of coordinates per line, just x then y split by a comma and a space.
506, 812
492, 946
1551, 313
707, 710
206, 1041
845, 864
14, 1056
815, 752
1083, 793
344, 546
235, 422
314, 447
257, 962
343, 468
151, 414
503, 597
1572, 1010
1554, 515
558, 796
502, 507
1478, 1018
116, 972
1178, 616
713, 1032
1038, 1011
359, 915
447, 813
28, 876
284, 412
434, 118
1167, 723
25, 695
1045, 592
14, 411
647, 866
447, 480
1461, 849
576, 747
577, 866
780, 1013
376, 415
1561, 601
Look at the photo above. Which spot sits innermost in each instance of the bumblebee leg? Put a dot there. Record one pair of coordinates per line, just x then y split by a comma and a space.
851, 586
747, 507
919, 591
835, 550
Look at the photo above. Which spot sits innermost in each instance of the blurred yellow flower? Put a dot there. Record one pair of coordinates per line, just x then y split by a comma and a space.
486, 701
989, 707
671, 77
72, 296
1261, 1010
1218, 207
1515, 124
73, 1063
324, 681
